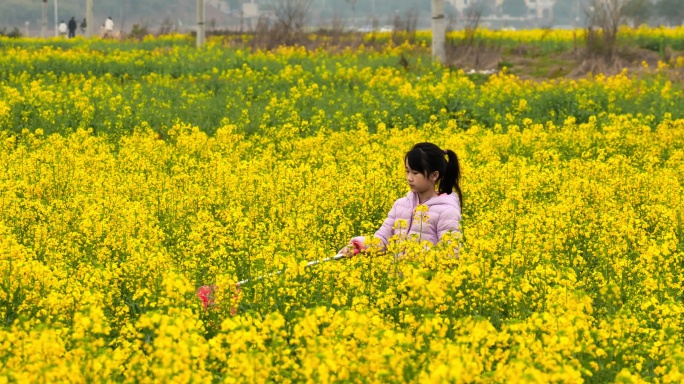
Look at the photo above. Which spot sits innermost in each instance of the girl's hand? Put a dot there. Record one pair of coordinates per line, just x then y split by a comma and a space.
352, 249
347, 250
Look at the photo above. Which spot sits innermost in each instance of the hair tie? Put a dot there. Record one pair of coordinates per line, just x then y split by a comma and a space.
446, 151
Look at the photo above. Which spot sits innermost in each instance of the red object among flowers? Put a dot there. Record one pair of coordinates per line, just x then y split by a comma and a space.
206, 294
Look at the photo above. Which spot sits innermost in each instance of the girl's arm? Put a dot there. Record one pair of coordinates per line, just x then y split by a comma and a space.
386, 230
448, 221
384, 233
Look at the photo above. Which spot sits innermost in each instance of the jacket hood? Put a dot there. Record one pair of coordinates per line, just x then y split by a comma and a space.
443, 199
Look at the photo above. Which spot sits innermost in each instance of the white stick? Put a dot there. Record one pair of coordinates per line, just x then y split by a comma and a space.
309, 264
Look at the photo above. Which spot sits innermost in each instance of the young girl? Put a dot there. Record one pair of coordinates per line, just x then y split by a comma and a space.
427, 167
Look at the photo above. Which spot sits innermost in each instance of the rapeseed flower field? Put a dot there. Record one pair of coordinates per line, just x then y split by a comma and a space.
133, 173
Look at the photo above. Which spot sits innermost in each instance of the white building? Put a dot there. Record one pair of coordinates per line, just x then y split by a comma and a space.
220, 5
540, 9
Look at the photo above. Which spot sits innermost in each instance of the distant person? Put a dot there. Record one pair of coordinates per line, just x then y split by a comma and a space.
109, 27
84, 25
62, 29
72, 27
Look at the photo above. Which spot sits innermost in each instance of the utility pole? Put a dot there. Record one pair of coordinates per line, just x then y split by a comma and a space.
89, 18
353, 6
56, 20
43, 20
121, 16
438, 31
200, 23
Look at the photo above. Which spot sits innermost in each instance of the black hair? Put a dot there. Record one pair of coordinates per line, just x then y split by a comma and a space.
427, 158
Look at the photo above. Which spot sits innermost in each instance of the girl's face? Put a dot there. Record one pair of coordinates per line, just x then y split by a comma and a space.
418, 182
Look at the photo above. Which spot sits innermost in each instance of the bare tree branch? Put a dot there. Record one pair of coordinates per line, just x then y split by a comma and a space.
291, 14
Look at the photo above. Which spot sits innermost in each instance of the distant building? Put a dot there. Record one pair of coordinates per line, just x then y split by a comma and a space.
461, 5
539, 9
221, 5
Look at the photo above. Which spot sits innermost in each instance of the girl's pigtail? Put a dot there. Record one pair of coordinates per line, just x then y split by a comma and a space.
452, 178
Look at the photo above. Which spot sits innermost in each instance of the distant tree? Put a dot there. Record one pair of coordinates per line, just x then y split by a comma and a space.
291, 15
13, 33
353, 8
479, 8
671, 10
604, 18
638, 11
515, 8
472, 15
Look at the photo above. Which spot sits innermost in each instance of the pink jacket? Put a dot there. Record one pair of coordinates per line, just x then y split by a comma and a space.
443, 215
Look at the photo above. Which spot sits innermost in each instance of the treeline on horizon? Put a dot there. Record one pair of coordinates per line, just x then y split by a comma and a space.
152, 13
